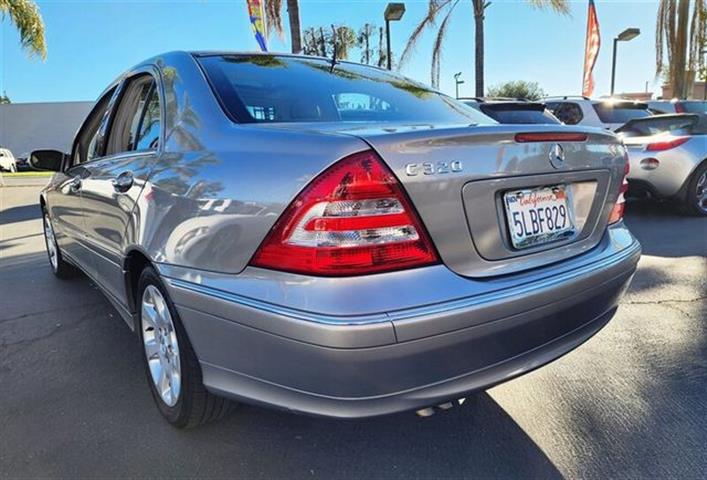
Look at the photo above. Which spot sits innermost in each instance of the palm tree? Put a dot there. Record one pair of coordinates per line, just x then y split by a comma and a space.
273, 13
445, 8
26, 17
681, 30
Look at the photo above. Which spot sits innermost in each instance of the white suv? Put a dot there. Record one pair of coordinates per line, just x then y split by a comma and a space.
609, 113
7, 160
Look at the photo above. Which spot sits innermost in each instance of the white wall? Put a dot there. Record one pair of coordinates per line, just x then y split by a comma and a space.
29, 126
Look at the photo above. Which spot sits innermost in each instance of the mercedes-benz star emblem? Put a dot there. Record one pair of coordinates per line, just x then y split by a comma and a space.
557, 156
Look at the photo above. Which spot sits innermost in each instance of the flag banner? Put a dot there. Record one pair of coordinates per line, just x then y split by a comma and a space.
591, 50
256, 12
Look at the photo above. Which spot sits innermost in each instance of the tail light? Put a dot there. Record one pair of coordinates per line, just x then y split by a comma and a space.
617, 213
666, 144
353, 219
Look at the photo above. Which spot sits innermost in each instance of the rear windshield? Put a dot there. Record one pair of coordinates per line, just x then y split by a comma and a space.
691, 107
681, 125
519, 115
265, 88
613, 112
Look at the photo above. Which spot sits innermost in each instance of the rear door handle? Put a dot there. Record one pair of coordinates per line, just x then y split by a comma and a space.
123, 182
75, 184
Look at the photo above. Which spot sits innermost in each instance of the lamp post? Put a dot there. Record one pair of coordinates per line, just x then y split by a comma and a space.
625, 36
457, 82
393, 12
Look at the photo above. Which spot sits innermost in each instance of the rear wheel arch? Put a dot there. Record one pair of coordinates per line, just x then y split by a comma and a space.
135, 262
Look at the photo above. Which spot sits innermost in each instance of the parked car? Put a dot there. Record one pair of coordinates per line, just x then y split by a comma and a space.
333, 238
678, 106
513, 111
668, 155
7, 160
22, 162
605, 113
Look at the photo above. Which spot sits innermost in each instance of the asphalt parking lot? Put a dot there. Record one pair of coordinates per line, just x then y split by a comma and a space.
631, 403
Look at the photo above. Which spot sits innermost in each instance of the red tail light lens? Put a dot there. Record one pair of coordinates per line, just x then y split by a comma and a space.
666, 144
353, 219
620, 206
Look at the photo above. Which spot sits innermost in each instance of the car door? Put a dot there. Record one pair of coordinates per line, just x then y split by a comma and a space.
113, 183
64, 202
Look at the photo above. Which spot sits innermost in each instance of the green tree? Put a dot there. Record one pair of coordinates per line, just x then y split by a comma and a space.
517, 89
273, 14
26, 17
320, 41
445, 9
680, 33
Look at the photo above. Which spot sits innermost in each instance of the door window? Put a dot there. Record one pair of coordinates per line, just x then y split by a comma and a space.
87, 145
137, 121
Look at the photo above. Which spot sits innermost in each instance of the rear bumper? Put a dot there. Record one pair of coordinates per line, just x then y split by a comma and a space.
397, 360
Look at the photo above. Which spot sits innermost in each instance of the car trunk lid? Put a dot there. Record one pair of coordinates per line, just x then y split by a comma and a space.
457, 175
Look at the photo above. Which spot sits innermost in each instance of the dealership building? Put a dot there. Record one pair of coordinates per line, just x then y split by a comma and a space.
30, 126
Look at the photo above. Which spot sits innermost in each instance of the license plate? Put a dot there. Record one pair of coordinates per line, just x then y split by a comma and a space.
538, 215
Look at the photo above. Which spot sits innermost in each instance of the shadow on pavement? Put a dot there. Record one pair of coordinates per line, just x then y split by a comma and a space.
655, 224
91, 382
20, 214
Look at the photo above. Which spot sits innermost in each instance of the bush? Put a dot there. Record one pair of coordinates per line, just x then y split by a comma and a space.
517, 89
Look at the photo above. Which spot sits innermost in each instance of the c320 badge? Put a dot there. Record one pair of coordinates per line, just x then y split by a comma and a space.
429, 168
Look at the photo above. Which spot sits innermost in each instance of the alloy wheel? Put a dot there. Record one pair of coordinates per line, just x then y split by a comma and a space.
701, 193
52, 249
161, 345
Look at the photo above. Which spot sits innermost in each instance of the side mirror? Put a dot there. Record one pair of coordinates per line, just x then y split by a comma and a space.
50, 160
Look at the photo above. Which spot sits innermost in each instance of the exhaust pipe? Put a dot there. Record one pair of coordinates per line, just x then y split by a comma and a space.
429, 411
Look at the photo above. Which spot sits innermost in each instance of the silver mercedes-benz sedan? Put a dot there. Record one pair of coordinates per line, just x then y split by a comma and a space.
668, 158
332, 238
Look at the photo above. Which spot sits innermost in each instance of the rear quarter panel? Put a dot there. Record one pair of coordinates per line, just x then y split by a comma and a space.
218, 187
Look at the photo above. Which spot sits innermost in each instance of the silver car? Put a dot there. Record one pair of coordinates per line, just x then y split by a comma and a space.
668, 158
331, 238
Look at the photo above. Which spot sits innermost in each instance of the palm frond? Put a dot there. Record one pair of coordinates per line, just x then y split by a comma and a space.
26, 17
659, 39
437, 47
698, 25
558, 6
434, 8
273, 16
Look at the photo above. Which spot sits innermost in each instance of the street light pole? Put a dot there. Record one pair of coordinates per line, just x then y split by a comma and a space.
393, 12
387, 44
457, 82
613, 67
625, 36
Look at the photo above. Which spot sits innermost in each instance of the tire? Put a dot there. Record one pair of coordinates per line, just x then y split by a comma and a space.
60, 267
696, 195
164, 340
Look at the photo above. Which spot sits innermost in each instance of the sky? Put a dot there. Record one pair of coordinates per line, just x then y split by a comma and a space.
90, 42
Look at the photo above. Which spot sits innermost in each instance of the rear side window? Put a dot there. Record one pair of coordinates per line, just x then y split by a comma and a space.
148, 137
136, 125
620, 112
266, 88
568, 113
520, 116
